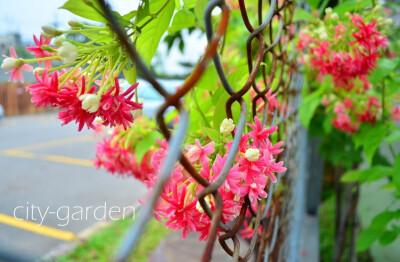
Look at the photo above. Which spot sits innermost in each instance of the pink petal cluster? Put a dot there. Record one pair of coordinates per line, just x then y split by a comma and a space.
114, 106
179, 207
349, 115
115, 158
39, 52
16, 70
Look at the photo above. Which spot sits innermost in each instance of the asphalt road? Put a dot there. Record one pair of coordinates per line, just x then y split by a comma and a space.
46, 177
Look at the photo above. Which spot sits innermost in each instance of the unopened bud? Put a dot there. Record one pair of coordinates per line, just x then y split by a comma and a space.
335, 17
67, 53
328, 11
74, 24
38, 71
252, 154
9, 63
90, 102
227, 126
50, 32
59, 41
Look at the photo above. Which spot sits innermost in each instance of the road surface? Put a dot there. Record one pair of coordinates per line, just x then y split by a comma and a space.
46, 177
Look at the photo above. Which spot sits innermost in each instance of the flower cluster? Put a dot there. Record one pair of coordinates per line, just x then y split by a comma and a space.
118, 153
81, 85
348, 117
347, 49
254, 167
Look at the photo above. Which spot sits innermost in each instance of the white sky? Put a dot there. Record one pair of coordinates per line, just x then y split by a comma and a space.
27, 17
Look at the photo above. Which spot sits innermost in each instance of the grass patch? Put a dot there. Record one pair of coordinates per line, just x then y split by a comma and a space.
102, 245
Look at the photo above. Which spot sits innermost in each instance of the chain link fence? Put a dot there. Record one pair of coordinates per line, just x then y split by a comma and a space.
281, 214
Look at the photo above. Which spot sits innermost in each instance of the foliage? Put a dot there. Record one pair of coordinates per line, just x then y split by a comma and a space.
356, 104
101, 245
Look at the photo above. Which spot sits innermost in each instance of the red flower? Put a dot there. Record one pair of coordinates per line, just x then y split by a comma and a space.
69, 99
39, 52
115, 108
45, 92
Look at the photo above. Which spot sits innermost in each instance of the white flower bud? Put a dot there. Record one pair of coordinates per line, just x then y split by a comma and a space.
328, 11
9, 63
335, 17
90, 102
98, 120
74, 24
59, 41
38, 70
67, 52
50, 32
227, 126
252, 154
137, 113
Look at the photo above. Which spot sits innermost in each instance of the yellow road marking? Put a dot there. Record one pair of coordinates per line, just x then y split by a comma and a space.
17, 153
53, 143
67, 160
52, 158
39, 229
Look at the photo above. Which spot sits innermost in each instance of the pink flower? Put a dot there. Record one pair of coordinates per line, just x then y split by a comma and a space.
234, 178
180, 213
259, 134
115, 108
68, 98
45, 92
15, 66
197, 152
39, 52
395, 113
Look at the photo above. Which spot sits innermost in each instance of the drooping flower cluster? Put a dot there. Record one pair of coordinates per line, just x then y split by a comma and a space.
254, 167
349, 115
81, 104
347, 49
82, 87
118, 153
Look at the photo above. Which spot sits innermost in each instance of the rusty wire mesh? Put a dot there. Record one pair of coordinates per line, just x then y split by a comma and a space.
275, 47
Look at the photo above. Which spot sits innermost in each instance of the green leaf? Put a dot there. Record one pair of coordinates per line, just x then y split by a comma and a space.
151, 34
348, 6
209, 79
238, 78
213, 134
393, 137
302, 15
219, 113
377, 227
145, 144
313, 4
91, 12
177, 4
367, 175
129, 16
370, 137
182, 19
366, 238
308, 106
384, 68
199, 8
188, 4
130, 74
387, 237
143, 11
396, 172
